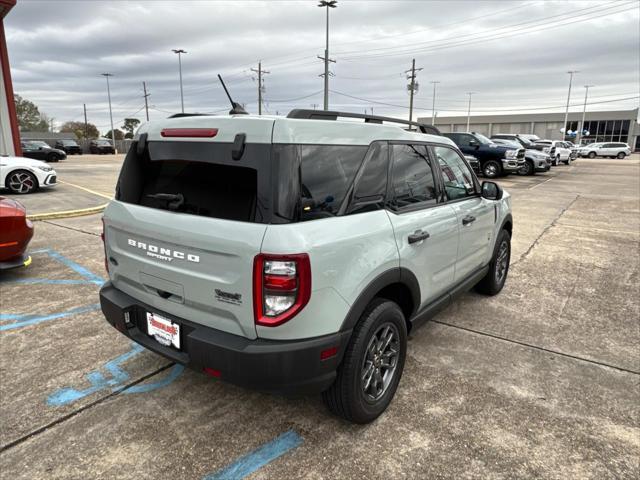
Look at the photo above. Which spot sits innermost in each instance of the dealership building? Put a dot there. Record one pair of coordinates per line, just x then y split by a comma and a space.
605, 126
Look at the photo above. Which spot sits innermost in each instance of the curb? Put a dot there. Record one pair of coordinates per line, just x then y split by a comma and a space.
67, 213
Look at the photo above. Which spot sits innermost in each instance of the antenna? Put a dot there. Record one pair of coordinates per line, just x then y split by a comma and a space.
236, 108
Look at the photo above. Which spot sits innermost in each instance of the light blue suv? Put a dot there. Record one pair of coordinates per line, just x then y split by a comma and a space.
295, 254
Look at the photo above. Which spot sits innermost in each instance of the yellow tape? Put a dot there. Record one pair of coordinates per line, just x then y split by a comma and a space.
27, 262
67, 213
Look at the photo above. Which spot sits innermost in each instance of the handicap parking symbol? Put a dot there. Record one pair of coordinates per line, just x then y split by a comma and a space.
12, 321
115, 382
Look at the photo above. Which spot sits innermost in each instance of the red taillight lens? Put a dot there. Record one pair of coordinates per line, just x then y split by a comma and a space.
189, 132
281, 287
104, 246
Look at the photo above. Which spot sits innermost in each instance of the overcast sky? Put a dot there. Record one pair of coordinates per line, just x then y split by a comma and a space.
513, 54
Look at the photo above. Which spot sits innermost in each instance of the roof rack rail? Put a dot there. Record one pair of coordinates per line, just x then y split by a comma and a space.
181, 115
332, 115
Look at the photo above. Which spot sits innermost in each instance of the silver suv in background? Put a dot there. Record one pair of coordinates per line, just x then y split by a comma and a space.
296, 254
611, 150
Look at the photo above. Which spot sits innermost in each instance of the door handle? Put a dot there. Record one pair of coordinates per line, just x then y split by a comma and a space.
468, 220
418, 236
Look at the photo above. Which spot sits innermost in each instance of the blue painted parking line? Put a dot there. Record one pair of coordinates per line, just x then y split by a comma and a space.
98, 381
88, 277
25, 320
257, 459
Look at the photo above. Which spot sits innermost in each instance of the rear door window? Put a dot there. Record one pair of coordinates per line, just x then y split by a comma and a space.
412, 183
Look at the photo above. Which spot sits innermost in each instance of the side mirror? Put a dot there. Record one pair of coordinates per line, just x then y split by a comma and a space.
491, 191
40, 148
473, 143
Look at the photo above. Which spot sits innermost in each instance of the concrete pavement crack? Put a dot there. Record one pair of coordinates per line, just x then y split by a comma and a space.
70, 228
72, 414
537, 347
546, 229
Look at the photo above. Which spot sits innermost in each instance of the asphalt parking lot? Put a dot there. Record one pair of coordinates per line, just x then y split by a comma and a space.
540, 381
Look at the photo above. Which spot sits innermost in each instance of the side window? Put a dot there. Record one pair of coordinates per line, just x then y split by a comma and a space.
413, 181
372, 184
465, 140
327, 171
456, 176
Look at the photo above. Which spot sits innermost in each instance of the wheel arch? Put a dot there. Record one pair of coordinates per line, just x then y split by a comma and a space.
20, 169
399, 285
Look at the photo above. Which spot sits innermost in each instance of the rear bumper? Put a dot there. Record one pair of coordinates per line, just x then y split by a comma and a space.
290, 367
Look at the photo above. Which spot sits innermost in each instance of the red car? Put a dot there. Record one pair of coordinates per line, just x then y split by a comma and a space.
15, 233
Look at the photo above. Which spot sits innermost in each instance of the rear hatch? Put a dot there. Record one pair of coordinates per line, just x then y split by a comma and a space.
188, 219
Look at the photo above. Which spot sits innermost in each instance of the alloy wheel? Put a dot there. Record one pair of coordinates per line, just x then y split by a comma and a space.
21, 182
502, 262
380, 361
491, 171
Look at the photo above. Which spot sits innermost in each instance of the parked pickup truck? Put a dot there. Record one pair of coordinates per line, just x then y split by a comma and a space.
495, 160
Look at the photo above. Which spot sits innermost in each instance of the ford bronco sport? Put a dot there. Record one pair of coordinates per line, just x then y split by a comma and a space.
295, 254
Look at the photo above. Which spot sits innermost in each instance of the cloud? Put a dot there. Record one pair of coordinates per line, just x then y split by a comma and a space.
513, 54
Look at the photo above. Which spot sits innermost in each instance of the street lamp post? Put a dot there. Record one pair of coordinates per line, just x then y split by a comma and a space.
584, 111
113, 133
566, 112
469, 110
328, 4
180, 52
433, 104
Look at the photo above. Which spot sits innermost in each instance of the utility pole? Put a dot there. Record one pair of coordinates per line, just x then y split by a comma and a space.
113, 134
469, 110
433, 105
328, 4
412, 87
584, 112
566, 112
146, 103
179, 51
260, 72
86, 126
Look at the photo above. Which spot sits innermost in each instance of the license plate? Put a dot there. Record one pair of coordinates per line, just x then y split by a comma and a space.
163, 330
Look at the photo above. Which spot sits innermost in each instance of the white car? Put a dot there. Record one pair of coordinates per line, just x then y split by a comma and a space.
612, 150
25, 175
557, 151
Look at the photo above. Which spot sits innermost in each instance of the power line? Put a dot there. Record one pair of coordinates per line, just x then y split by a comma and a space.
593, 14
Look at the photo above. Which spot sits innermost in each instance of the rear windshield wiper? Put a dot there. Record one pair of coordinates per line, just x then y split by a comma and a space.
174, 200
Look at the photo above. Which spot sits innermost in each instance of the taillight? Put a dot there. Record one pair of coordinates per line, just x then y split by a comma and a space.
104, 247
281, 287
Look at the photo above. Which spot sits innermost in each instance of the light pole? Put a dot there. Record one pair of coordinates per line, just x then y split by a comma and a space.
584, 111
433, 105
180, 52
328, 4
566, 112
113, 133
469, 110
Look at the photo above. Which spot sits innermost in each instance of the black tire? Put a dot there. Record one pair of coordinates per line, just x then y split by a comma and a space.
21, 182
495, 278
592, 154
347, 397
52, 157
491, 169
620, 155
527, 168
567, 161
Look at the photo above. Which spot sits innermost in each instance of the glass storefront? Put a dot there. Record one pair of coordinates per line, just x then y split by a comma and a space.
601, 131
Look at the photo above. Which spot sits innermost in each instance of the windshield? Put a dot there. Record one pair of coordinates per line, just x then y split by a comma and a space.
482, 139
69, 143
104, 142
508, 143
39, 144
